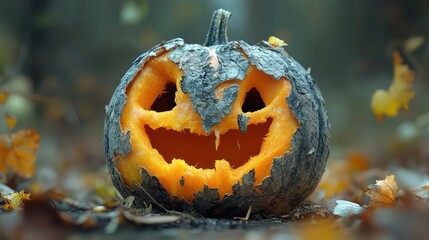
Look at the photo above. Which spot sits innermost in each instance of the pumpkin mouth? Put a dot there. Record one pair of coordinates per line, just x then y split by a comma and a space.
200, 151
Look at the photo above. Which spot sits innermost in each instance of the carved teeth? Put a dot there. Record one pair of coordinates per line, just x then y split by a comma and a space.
217, 141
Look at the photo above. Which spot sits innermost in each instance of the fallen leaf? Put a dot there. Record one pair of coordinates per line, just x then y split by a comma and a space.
14, 200
18, 150
339, 174
10, 121
322, 230
276, 42
383, 193
3, 97
387, 103
347, 208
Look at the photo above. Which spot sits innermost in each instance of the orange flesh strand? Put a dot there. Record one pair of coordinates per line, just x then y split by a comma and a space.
164, 143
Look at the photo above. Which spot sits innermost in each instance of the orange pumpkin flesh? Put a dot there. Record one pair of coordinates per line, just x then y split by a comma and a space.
159, 140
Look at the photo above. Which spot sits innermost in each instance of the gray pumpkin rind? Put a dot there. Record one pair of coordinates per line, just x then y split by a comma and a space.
293, 176
200, 79
116, 142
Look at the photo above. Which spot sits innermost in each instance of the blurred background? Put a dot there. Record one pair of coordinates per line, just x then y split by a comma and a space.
61, 61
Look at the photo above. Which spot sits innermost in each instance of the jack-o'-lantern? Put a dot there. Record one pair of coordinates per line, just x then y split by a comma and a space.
216, 128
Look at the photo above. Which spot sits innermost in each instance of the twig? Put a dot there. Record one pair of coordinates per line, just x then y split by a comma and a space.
153, 199
162, 207
246, 218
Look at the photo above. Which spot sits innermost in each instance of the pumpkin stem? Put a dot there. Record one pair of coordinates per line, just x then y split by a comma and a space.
218, 27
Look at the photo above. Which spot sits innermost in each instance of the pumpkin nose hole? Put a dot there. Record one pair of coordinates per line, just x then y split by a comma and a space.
253, 101
165, 101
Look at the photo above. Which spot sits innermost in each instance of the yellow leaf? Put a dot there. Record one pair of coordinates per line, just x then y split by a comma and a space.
383, 193
18, 150
339, 174
3, 97
14, 200
276, 42
322, 230
387, 103
10, 121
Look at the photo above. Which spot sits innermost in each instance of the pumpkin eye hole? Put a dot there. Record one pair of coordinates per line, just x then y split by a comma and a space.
165, 101
253, 101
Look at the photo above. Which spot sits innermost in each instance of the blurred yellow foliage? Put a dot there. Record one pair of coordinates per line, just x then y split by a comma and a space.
3, 97
18, 150
276, 42
322, 230
14, 200
387, 103
10, 121
339, 174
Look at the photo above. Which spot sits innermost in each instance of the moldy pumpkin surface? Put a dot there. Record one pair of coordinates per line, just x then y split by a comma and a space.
216, 128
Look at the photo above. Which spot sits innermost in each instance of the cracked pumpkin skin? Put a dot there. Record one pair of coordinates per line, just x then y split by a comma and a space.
215, 129
150, 83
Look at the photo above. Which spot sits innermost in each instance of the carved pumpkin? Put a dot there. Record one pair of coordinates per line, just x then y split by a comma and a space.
216, 128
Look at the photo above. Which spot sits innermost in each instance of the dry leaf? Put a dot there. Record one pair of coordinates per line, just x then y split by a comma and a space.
18, 150
383, 193
387, 103
347, 208
3, 97
10, 121
276, 42
14, 200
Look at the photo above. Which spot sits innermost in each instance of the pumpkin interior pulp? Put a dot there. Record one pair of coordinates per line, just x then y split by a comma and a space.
170, 143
